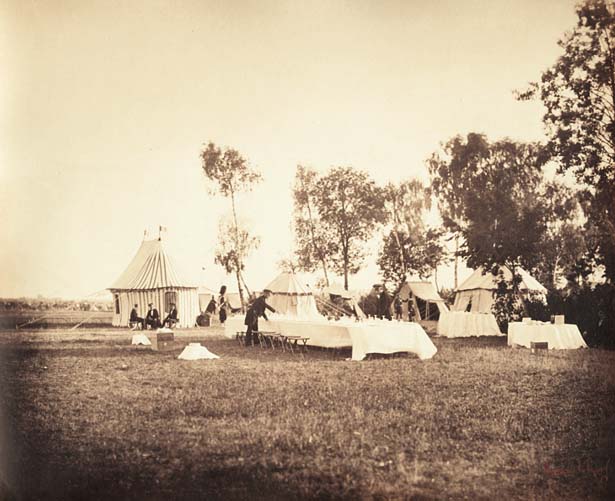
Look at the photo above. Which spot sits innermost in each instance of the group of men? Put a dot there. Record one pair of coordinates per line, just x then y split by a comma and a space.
152, 319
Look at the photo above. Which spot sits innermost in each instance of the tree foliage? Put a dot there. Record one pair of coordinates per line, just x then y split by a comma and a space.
229, 173
497, 205
227, 170
578, 93
314, 243
409, 247
231, 252
335, 214
350, 206
564, 251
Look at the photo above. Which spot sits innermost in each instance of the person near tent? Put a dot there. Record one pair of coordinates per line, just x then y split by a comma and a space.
135, 318
211, 306
411, 312
398, 308
384, 304
256, 309
222, 304
153, 317
171, 318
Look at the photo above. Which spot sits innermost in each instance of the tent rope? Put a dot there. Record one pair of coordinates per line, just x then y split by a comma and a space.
33, 321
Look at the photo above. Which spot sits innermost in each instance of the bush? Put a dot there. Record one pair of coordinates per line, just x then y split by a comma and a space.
591, 309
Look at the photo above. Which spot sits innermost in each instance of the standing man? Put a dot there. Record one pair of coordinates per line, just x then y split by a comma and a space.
153, 317
257, 309
384, 304
222, 304
135, 318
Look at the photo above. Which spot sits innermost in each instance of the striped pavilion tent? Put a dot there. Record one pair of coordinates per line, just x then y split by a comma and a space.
153, 277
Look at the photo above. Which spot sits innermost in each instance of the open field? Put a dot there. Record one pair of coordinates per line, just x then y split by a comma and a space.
86, 415
44, 319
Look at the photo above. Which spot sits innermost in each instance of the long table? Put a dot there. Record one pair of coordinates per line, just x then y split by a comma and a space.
466, 324
559, 336
373, 336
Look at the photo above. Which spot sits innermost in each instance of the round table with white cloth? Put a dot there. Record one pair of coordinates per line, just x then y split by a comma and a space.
559, 336
466, 324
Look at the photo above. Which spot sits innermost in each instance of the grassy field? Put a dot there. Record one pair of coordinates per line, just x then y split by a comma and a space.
44, 319
87, 416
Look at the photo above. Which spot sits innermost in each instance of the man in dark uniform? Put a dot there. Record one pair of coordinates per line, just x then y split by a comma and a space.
257, 309
153, 317
171, 318
135, 318
384, 304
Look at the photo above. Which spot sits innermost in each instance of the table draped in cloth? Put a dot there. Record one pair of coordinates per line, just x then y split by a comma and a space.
466, 324
559, 336
372, 336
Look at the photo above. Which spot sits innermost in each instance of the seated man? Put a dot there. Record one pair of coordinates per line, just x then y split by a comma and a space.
135, 318
153, 317
171, 318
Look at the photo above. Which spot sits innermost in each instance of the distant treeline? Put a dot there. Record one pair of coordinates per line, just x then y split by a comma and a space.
46, 304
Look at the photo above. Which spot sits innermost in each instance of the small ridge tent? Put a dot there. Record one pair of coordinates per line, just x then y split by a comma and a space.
347, 299
153, 277
423, 300
289, 297
476, 294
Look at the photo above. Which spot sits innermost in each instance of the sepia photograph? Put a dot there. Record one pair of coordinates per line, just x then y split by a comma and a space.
292, 249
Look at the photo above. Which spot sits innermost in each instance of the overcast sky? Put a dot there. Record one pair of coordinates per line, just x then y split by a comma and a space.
105, 107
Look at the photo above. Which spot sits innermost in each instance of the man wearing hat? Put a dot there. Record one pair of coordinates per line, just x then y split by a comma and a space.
153, 317
171, 318
135, 318
257, 309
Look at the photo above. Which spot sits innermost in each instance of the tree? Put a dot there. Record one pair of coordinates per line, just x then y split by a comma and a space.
233, 248
409, 247
230, 174
350, 206
451, 177
564, 245
313, 241
578, 93
497, 204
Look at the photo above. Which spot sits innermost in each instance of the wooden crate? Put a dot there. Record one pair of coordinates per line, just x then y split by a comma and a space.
162, 341
537, 347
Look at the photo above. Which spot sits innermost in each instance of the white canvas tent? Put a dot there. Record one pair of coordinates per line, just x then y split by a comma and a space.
476, 294
424, 300
347, 296
153, 277
289, 297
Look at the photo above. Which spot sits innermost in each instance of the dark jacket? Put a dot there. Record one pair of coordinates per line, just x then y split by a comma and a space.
134, 315
152, 314
257, 310
172, 315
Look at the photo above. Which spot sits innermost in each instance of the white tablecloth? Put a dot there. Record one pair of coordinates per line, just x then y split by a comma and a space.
322, 333
374, 336
465, 324
390, 337
562, 336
